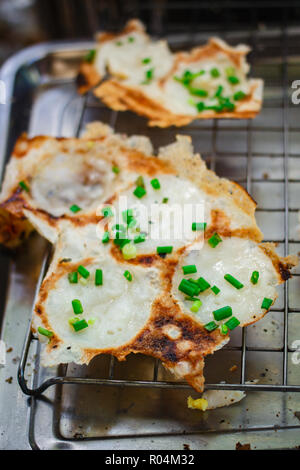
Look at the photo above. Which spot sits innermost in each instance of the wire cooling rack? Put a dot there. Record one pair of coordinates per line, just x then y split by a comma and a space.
223, 145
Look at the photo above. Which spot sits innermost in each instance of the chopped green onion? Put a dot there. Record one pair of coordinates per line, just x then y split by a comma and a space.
187, 288
116, 169
215, 73
196, 305
107, 212
215, 290
128, 276
105, 238
139, 192
73, 277
232, 323
214, 240
233, 281
219, 91
24, 186
98, 277
131, 39
74, 208
198, 92
147, 60
83, 271
45, 332
230, 71
189, 269
233, 80
222, 313
211, 326
197, 226
127, 215
197, 288
132, 223
165, 200
77, 307
203, 284
120, 240
254, 277
83, 281
266, 303
129, 251
149, 75
191, 299
119, 228
79, 324
140, 238
239, 95
118, 43
90, 56
155, 183
91, 321
224, 329
164, 249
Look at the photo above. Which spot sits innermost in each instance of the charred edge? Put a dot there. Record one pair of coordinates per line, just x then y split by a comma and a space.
284, 272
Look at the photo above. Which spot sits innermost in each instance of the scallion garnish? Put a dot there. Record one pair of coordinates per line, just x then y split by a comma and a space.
197, 226
128, 276
105, 238
73, 277
131, 39
222, 313
155, 183
90, 56
116, 169
129, 251
215, 290
203, 284
24, 186
118, 43
187, 288
140, 238
107, 212
164, 249
189, 269
224, 329
165, 200
233, 281
83, 271
45, 332
74, 208
214, 240
77, 306
140, 181
239, 95
266, 303
79, 324
139, 192
215, 73
211, 326
98, 277
149, 75
233, 80
198, 92
146, 60
254, 277
196, 305
232, 323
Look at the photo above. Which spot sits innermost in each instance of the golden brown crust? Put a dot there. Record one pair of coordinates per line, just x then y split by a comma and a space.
282, 265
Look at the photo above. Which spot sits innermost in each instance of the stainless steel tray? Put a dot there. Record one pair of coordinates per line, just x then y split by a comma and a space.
263, 156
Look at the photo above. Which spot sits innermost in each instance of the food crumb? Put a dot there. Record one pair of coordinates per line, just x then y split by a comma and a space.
186, 447
9, 380
239, 446
233, 368
9, 350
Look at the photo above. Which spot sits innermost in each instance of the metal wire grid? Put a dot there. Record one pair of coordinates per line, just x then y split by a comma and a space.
88, 104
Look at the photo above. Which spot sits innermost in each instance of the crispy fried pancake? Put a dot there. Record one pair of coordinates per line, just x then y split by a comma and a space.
207, 82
